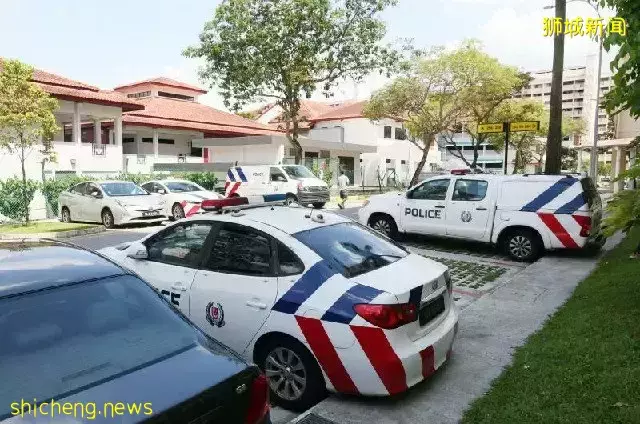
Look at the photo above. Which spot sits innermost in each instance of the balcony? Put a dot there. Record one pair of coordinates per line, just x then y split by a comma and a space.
87, 157
144, 164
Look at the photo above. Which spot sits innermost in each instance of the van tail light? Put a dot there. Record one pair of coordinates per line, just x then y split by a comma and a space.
387, 316
585, 224
258, 400
213, 204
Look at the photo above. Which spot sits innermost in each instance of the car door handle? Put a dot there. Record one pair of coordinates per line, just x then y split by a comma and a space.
178, 287
257, 305
481, 208
440, 206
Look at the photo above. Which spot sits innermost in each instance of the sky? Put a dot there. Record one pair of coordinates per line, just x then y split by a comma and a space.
112, 43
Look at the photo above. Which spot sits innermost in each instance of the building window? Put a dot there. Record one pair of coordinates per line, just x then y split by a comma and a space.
160, 140
139, 95
403, 162
400, 134
388, 160
175, 96
387, 131
128, 139
195, 151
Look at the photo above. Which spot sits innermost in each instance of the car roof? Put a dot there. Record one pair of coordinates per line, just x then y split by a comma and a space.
513, 177
285, 218
28, 265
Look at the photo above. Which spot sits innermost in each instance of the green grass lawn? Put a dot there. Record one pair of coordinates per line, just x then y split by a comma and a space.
42, 227
583, 366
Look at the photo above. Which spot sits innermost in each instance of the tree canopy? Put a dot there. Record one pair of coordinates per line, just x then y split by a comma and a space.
26, 117
280, 50
442, 92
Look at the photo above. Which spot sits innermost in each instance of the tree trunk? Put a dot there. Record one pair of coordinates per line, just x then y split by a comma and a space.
428, 140
25, 198
554, 137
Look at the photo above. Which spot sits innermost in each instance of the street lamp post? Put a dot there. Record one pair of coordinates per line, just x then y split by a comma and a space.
593, 165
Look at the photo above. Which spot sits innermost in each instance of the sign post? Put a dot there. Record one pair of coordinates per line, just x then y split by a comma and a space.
507, 128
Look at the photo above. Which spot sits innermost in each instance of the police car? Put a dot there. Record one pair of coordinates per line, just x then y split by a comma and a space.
315, 299
522, 214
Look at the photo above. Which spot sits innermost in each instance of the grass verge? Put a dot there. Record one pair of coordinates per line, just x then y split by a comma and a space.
582, 366
42, 227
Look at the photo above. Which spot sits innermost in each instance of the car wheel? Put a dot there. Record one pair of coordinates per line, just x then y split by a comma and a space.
290, 199
177, 212
65, 214
318, 205
107, 218
522, 245
294, 377
384, 224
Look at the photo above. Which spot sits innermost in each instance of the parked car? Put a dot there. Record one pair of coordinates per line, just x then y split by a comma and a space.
296, 181
110, 202
315, 299
522, 214
182, 198
78, 328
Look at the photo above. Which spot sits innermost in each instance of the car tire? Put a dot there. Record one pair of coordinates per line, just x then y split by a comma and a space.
290, 199
522, 245
107, 219
384, 224
318, 205
177, 211
65, 215
284, 358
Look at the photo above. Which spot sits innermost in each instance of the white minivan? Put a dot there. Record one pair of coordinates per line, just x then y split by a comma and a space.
296, 181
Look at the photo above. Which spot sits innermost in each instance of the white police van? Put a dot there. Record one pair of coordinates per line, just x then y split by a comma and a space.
522, 214
297, 182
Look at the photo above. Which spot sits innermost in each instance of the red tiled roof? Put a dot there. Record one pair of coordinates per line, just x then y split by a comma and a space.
309, 111
168, 82
168, 113
351, 110
67, 89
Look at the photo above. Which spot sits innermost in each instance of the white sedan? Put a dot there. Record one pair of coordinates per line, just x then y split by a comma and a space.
318, 301
182, 198
110, 202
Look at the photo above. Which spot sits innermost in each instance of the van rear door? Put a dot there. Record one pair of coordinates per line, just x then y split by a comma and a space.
594, 202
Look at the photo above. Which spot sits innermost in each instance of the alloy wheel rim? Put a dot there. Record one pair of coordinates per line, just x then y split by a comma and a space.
286, 373
106, 219
65, 216
177, 212
382, 226
520, 247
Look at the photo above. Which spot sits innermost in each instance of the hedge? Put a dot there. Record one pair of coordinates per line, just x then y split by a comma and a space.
12, 197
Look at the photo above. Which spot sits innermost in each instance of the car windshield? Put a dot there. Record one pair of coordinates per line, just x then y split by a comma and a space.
298, 171
182, 186
351, 248
58, 341
123, 189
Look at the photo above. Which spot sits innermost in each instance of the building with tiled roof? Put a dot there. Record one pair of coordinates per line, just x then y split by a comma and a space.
309, 110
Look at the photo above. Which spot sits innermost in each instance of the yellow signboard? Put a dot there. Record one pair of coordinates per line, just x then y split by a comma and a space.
490, 128
524, 126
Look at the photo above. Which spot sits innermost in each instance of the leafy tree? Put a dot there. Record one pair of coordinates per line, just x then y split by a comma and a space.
26, 118
283, 49
441, 93
529, 145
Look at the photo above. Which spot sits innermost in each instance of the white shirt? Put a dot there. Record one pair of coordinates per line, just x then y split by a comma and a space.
343, 181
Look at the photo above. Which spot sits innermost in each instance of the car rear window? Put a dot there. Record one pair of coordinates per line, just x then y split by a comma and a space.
350, 248
73, 337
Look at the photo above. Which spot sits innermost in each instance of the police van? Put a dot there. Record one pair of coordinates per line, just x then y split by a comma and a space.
522, 214
297, 182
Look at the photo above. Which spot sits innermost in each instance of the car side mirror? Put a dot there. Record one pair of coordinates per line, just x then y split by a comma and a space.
161, 191
137, 250
409, 194
96, 194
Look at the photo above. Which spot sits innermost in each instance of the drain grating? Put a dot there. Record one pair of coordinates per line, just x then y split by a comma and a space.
315, 419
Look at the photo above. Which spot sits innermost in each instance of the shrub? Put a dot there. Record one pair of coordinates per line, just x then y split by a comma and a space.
207, 180
12, 197
52, 188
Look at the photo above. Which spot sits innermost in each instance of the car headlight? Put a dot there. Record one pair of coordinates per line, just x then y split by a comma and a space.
162, 203
122, 205
366, 202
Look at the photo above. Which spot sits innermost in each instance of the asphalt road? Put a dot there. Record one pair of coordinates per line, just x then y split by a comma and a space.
123, 235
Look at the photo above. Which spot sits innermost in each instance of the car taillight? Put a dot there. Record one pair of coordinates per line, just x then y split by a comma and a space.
258, 401
447, 279
585, 224
387, 316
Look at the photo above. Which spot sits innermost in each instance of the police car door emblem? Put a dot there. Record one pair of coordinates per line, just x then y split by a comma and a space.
215, 314
465, 216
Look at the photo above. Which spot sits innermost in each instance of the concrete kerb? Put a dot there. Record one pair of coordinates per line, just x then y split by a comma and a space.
491, 328
54, 235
